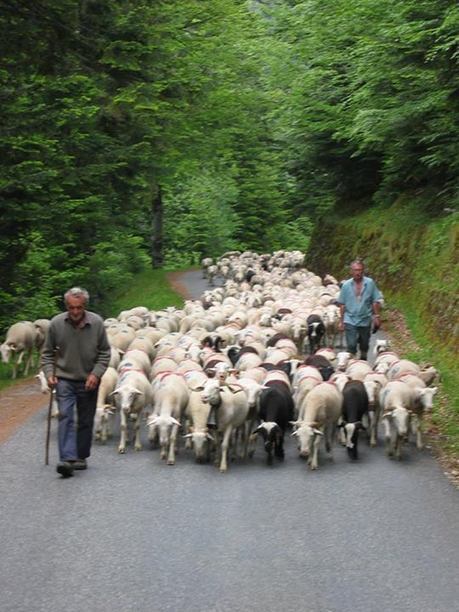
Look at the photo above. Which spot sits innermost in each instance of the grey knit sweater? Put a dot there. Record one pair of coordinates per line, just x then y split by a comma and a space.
81, 351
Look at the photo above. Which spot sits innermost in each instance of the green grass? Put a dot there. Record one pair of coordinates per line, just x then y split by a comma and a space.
414, 258
6, 369
446, 417
149, 288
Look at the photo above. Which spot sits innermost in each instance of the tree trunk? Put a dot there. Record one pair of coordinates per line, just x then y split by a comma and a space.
157, 229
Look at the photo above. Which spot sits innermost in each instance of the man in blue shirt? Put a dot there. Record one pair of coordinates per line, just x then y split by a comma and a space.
360, 304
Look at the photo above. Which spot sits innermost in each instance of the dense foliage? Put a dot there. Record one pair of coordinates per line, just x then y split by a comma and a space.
140, 132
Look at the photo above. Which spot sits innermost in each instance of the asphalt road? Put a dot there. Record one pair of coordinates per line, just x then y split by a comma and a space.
132, 533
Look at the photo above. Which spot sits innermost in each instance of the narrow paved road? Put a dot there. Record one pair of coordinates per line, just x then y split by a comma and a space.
131, 533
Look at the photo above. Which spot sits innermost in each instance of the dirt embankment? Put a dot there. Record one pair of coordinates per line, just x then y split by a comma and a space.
17, 404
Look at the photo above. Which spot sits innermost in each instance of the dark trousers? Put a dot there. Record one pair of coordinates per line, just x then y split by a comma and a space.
357, 336
75, 436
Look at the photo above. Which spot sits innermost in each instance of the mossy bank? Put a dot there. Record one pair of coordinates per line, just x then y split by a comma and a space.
414, 257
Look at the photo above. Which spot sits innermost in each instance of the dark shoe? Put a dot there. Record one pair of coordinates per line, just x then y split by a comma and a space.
65, 469
79, 464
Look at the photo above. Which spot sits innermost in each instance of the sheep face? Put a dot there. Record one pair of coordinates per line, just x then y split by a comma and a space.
125, 398
6, 351
306, 435
211, 393
425, 397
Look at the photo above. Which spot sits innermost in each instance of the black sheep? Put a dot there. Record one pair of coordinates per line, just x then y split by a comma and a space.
316, 331
355, 406
322, 364
275, 411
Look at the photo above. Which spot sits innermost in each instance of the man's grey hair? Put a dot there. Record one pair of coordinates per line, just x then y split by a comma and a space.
359, 261
76, 292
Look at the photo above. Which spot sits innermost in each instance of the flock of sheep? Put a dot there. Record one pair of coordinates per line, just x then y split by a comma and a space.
244, 363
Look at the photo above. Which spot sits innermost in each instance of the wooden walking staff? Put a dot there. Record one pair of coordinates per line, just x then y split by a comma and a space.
50, 407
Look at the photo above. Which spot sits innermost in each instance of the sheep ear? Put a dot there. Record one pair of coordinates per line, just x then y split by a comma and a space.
318, 432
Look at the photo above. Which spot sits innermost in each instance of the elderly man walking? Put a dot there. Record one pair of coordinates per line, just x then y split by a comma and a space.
75, 356
360, 304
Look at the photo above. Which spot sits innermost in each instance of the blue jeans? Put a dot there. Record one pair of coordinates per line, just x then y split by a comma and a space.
357, 336
74, 438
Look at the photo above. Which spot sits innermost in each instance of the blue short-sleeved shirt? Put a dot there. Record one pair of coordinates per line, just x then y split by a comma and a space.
358, 311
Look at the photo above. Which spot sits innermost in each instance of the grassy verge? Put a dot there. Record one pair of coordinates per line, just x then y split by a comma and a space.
5, 375
150, 288
445, 416
414, 257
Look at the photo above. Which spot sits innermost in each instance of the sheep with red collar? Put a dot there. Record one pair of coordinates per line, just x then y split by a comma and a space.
422, 402
171, 395
105, 405
396, 400
321, 412
232, 407
132, 396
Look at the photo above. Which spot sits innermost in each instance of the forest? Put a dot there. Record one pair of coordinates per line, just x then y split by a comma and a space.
138, 134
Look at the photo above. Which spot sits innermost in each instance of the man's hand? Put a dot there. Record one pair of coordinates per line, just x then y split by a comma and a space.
341, 326
52, 381
91, 382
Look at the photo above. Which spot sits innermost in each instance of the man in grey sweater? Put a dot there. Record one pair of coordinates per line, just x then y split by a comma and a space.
74, 358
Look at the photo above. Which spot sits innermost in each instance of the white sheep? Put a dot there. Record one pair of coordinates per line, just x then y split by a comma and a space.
422, 402
105, 405
171, 395
323, 406
133, 395
396, 400
19, 342
44, 388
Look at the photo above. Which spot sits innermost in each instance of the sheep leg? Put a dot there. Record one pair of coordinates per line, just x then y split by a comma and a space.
172, 443
416, 430
398, 447
329, 431
241, 450
372, 427
54, 406
20, 358
188, 442
137, 442
388, 438
314, 464
224, 448
123, 431
29, 362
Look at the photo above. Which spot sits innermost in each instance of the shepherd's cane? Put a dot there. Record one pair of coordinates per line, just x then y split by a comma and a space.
50, 407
